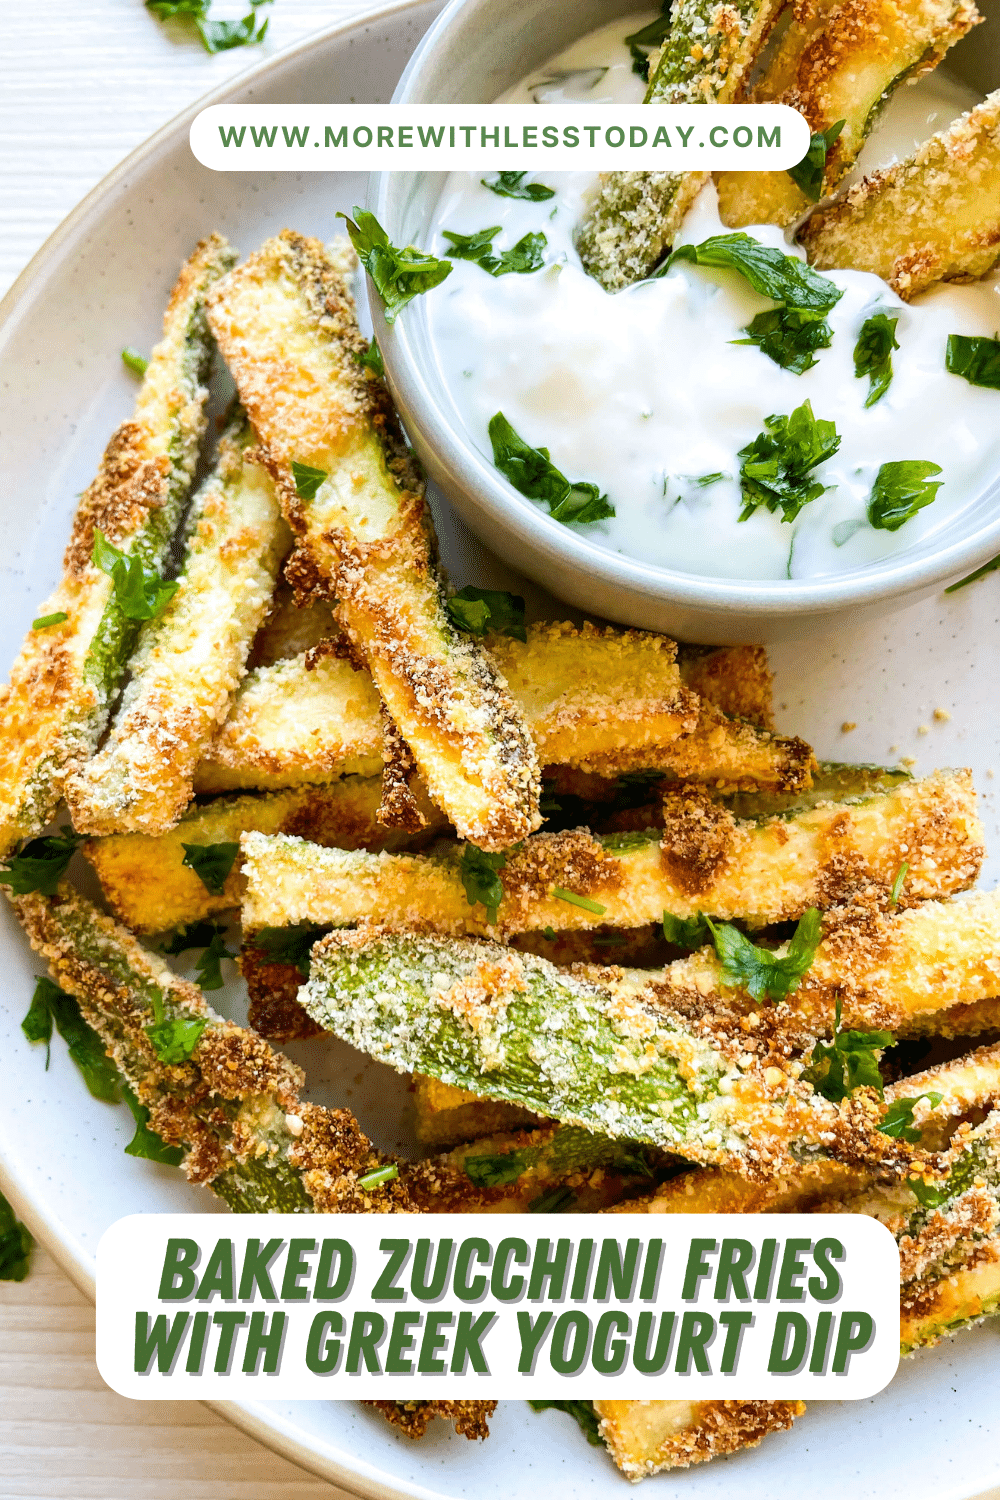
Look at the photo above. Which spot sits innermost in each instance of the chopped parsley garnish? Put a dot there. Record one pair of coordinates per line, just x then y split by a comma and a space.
497, 1171
644, 41
789, 336
480, 610
198, 935
704, 480
809, 172
898, 1120
44, 621
512, 185
209, 965
959, 1178
371, 359
399, 274
987, 567
15, 1244
532, 472
140, 592
527, 255
897, 884
41, 864
211, 863
848, 1062
378, 1177
583, 1415
781, 277
471, 246
873, 354
134, 361
776, 466
50, 1004
146, 1143
549, 934
575, 900
173, 1038
558, 1200
760, 971
287, 945
481, 879
686, 932
308, 479
216, 36
977, 360
901, 489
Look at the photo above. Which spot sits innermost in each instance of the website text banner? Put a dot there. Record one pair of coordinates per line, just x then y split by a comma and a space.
305, 1307
495, 137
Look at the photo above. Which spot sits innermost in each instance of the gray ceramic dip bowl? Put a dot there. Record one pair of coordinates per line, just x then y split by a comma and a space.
474, 52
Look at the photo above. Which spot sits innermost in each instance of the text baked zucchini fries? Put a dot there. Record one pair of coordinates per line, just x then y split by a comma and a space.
704, 860
286, 325
63, 683
189, 659
934, 217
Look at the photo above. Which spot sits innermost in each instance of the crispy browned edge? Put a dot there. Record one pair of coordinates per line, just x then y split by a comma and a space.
414, 1417
714, 1428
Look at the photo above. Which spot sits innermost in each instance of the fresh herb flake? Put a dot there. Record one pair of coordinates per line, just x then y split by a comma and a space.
977, 360
211, 863
558, 1200
873, 354
471, 246
307, 480
134, 361
480, 610
847, 1063
901, 488
481, 879
532, 472
140, 592
897, 884
15, 1244
378, 1177
512, 185
704, 480
398, 275
527, 255
146, 1143
808, 174
498, 1171
575, 900
776, 467
988, 567
216, 36
287, 945
583, 1415
44, 621
198, 935
644, 41
898, 1118
51, 1004
760, 971
209, 965
173, 1038
686, 932
789, 336
41, 864
781, 277
371, 359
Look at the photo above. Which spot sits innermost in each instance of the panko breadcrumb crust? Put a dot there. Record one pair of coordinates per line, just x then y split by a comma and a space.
645, 1437
469, 1418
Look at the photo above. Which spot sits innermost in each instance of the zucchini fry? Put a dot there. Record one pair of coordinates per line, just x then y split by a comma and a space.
286, 325
705, 60
735, 679
147, 884
66, 677
644, 1437
469, 1418
706, 860
934, 217
836, 63
189, 660
447, 1116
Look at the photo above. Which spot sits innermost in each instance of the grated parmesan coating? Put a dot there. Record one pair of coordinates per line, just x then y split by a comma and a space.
646, 1437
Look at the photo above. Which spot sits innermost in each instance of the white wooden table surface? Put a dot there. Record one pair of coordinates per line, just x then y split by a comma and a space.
81, 83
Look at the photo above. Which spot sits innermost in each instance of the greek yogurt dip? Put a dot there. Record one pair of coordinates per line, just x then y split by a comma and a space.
645, 394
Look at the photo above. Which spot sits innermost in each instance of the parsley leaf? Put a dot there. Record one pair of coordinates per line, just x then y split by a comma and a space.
809, 172
378, 1177
789, 336
371, 359
481, 879
558, 1200
50, 1004
583, 1415
898, 1119
988, 567
781, 277
307, 480
648, 37
287, 945
527, 255
399, 275
134, 361
759, 971
776, 465
848, 1062
211, 863
41, 864
977, 360
216, 36
898, 883
140, 592
209, 965
512, 185
146, 1143
686, 932
173, 1038
873, 354
471, 246
44, 621
561, 894
497, 1171
901, 489
198, 935
15, 1244
532, 472
478, 610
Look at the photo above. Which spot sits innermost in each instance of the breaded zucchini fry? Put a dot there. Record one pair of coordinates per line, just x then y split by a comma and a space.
762, 872
66, 677
290, 629
735, 679
934, 217
447, 1116
840, 62
149, 887
189, 660
286, 325
632, 221
469, 1418
644, 1437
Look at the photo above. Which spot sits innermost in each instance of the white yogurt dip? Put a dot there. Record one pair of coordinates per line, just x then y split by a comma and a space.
644, 391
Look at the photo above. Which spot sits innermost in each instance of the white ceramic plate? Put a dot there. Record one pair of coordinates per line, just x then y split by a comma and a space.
99, 283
